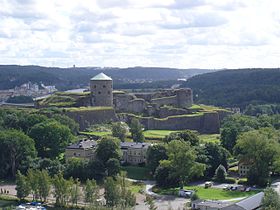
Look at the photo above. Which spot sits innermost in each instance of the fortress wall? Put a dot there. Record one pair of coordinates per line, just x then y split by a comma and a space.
136, 106
168, 111
207, 123
89, 117
171, 100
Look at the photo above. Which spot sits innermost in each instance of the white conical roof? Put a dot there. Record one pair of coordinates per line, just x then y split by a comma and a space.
101, 76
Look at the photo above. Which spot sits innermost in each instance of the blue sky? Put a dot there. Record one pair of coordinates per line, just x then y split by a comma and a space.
121, 33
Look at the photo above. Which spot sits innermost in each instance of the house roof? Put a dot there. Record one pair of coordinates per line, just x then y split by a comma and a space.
252, 202
212, 204
83, 144
101, 76
134, 145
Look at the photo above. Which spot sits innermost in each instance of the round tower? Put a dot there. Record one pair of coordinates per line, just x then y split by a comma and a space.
184, 97
101, 88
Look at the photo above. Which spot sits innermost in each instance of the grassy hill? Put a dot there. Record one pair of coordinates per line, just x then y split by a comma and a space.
236, 88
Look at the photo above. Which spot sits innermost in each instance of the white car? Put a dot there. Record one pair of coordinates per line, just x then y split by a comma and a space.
185, 193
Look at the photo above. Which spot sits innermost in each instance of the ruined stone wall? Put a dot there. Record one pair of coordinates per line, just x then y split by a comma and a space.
169, 111
90, 117
171, 100
136, 106
207, 123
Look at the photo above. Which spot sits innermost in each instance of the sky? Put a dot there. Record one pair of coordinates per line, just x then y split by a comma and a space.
210, 34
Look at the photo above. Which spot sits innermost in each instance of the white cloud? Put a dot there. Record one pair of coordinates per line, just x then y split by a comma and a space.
173, 33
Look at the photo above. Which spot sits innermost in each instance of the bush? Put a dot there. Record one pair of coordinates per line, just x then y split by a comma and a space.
242, 182
230, 180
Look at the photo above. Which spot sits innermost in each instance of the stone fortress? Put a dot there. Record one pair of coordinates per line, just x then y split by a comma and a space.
167, 109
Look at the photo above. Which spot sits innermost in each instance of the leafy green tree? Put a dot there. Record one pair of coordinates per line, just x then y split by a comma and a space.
271, 199
262, 151
136, 130
113, 167
107, 148
215, 155
220, 174
22, 186
182, 161
51, 166
44, 184
163, 177
33, 180
112, 192
74, 191
76, 168
16, 152
67, 121
51, 138
187, 135
119, 130
91, 193
96, 170
127, 198
155, 154
61, 190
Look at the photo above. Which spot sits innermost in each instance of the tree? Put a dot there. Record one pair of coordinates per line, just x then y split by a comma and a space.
107, 148
22, 186
215, 155
181, 159
187, 135
61, 190
51, 138
256, 147
151, 203
33, 180
96, 170
119, 130
271, 199
163, 177
16, 152
113, 167
220, 174
155, 154
44, 184
112, 192
67, 121
91, 193
74, 191
136, 130
76, 168
127, 198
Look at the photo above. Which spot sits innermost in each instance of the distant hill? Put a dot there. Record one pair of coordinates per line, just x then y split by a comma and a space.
68, 78
237, 88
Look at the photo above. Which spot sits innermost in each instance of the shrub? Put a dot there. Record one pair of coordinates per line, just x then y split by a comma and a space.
242, 182
230, 180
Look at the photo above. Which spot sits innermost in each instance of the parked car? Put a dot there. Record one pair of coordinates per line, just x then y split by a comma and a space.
248, 189
185, 193
208, 184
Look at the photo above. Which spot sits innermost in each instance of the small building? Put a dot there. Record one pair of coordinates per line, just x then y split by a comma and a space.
134, 152
251, 203
244, 167
83, 149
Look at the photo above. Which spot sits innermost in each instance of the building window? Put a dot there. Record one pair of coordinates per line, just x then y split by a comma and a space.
104, 86
74, 154
109, 92
94, 86
99, 92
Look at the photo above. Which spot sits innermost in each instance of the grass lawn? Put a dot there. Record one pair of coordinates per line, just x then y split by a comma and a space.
136, 172
207, 194
205, 138
157, 133
136, 187
97, 133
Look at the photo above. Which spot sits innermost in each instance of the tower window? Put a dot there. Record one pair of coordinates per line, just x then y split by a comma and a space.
109, 92
104, 86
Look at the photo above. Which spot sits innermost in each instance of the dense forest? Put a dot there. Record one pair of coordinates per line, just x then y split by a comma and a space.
237, 88
70, 78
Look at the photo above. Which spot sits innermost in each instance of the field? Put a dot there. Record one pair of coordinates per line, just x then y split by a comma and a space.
207, 194
205, 138
136, 172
